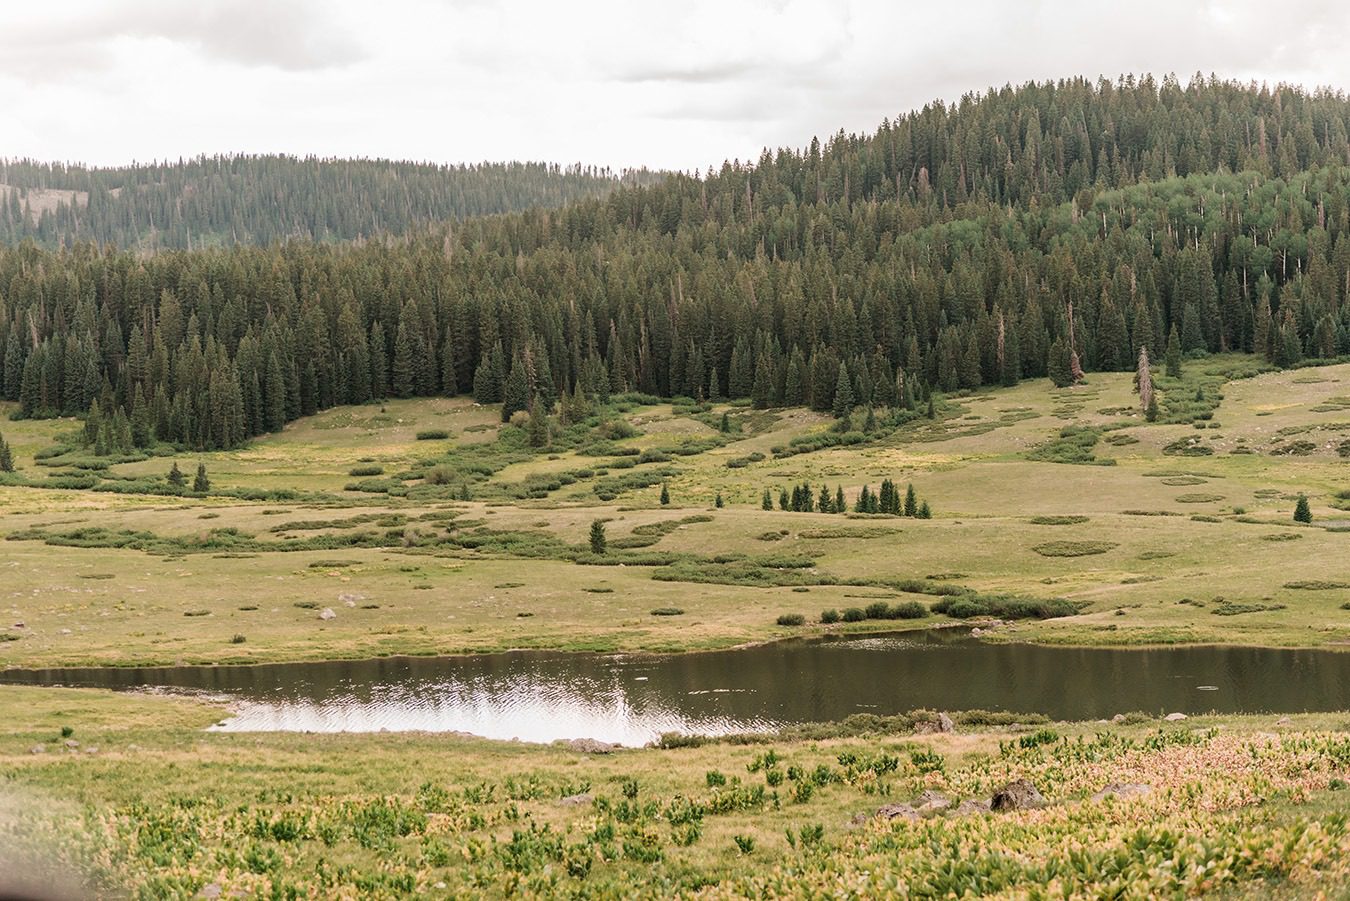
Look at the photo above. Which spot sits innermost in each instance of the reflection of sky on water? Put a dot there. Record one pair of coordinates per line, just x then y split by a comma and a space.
519, 708
630, 699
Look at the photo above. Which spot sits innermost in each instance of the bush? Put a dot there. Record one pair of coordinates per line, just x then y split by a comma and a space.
432, 435
829, 616
667, 611
854, 615
366, 471
791, 619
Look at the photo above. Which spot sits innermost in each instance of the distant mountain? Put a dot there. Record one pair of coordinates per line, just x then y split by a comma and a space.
227, 200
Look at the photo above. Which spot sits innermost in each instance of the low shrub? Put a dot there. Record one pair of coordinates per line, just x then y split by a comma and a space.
667, 611
432, 435
791, 619
829, 616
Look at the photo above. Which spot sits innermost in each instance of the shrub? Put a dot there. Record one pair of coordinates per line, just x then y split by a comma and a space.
432, 435
667, 611
829, 616
238, 639
366, 471
791, 619
1073, 548
854, 615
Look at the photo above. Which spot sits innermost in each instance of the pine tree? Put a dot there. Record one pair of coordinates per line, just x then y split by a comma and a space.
825, 501
515, 392
6, 456
538, 427
1058, 365
911, 501
1173, 357
870, 423
766, 502
1151, 411
1302, 512
176, 477
725, 425
140, 420
843, 393
665, 495
200, 483
717, 501
598, 542
924, 512
783, 502
840, 505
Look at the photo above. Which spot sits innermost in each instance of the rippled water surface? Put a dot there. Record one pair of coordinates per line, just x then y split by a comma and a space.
543, 696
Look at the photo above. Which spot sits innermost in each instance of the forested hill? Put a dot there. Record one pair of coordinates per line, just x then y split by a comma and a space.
225, 200
954, 247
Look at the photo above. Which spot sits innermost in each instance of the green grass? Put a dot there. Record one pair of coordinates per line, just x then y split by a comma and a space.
148, 805
530, 511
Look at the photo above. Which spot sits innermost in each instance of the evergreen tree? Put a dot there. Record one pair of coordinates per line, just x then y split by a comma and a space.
911, 501
598, 542
516, 391
924, 512
6, 456
1302, 512
1058, 365
717, 501
200, 483
140, 420
825, 502
766, 502
538, 427
840, 504
783, 502
843, 393
665, 494
1172, 360
176, 477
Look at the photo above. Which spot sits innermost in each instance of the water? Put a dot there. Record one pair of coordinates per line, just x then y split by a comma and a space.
632, 699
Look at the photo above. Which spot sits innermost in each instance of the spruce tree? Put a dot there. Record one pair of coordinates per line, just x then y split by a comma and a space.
725, 425
717, 501
843, 393
200, 483
176, 477
1058, 365
1173, 357
665, 494
516, 391
1302, 512
783, 502
766, 502
6, 456
924, 512
538, 427
825, 501
911, 501
598, 542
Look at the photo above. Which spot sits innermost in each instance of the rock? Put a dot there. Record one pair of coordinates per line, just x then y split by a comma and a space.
1175, 717
327, 613
348, 597
589, 746
931, 802
210, 890
1118, 718
91, 750
1017, 795
19, 625
1283, 721
943, 723
897, 812
576, 800
38, 749
71, 743
1124, 790
968, 807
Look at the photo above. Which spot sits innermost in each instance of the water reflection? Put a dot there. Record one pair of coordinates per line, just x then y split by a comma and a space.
541, 696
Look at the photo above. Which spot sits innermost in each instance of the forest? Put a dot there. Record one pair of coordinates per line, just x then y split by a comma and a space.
1016, 234
228, 200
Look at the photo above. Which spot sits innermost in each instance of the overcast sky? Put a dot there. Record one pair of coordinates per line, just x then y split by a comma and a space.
673, 85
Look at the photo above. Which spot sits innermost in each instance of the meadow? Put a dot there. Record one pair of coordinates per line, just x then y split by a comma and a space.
429, 527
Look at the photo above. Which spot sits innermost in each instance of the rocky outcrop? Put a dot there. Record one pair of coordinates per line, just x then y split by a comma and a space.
1017, 795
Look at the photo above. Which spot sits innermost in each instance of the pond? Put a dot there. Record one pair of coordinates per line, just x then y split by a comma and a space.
542, 696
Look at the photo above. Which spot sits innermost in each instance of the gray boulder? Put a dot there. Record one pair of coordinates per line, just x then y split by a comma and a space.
327, 614
898, 812
1175, 717
1017, 795
968, 807
589, 746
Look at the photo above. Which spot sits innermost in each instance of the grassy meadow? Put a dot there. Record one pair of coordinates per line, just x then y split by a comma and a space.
428, 527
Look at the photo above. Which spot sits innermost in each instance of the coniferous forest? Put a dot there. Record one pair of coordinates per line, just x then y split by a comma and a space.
986, 241
228, 200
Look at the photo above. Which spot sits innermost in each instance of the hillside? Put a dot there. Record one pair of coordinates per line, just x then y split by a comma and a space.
227, 200
844, 265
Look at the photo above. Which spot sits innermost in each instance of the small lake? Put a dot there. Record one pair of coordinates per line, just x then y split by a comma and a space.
631, 699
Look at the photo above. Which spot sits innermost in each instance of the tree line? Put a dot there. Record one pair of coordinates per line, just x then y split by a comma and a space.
245, 199
801, 279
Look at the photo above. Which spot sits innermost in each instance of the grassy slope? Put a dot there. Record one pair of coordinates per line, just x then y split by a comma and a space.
1160, 582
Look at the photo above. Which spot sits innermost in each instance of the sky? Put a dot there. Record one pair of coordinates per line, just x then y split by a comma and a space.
682, 85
